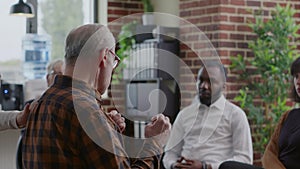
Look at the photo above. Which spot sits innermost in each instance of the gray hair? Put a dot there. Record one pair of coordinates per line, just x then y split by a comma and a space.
78, 37
54, 63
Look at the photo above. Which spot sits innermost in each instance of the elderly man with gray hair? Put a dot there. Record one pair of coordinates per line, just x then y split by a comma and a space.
68, 129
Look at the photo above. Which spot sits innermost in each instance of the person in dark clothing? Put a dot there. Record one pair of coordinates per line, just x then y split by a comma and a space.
283, 150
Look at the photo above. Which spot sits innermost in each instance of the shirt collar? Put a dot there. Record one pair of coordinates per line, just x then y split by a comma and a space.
219, 103
67, 81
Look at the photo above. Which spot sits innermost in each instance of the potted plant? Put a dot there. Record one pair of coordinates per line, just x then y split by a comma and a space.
273, 53
125, 42
148, 17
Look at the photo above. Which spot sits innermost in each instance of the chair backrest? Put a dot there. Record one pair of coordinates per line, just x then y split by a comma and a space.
19, 152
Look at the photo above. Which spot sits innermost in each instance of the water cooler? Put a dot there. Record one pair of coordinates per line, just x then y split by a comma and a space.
36, 55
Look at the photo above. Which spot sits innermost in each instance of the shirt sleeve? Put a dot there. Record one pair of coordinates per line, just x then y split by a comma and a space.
101, 146
8, 120
270, 158
174, 145
241, 140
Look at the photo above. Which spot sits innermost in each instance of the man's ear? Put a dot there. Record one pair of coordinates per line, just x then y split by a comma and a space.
103, 56
47, 78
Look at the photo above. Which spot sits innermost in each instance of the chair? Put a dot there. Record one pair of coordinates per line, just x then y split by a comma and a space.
19, 152
237, 165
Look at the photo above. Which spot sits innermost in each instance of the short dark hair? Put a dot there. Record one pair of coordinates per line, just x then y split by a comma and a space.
214, 63
295, 68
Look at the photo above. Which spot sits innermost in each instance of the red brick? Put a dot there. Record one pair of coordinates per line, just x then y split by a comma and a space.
186, 5
185, 13
187, 95
227, 9
226, 61
204, 3
132, 5
221, 35
224, 2
198, 12
205, 19
218, 18
184, 70
238, 2
244, 11
185, 30
191, 55
234, 87
110, 19
192, 38
269, 4
227, 27
231, 78
242, 45
215, 44
212, 27
184, 46
237, 36
254, 3
118, 12
239, 19
244, 28
297, 15
200, 45
230, 96
227, 44
187, 62
251, 37
197, 62
223, 52
134, 12
114, 4
212, 10
187, 79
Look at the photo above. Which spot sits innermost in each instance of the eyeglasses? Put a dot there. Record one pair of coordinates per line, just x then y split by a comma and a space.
53, 72
117, 59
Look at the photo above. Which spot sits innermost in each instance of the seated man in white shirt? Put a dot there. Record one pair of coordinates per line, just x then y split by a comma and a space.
211, 130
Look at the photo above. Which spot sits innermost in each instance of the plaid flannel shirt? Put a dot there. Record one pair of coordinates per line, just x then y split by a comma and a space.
56, 134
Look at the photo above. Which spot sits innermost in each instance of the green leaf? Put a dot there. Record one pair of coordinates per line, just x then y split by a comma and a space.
267, 86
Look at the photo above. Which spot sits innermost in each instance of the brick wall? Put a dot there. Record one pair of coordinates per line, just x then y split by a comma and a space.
120, 8
224, 22
117, 9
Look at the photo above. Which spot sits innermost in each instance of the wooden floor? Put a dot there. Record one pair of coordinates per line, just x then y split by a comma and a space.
8, 145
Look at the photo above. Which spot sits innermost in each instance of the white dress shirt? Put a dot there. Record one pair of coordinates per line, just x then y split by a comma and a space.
8, 120
212, 134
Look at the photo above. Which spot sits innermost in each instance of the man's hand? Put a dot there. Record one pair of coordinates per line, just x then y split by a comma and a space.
118, 119
22, 117
184, 163
159, 126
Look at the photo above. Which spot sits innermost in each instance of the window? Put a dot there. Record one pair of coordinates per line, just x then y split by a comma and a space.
55, 18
